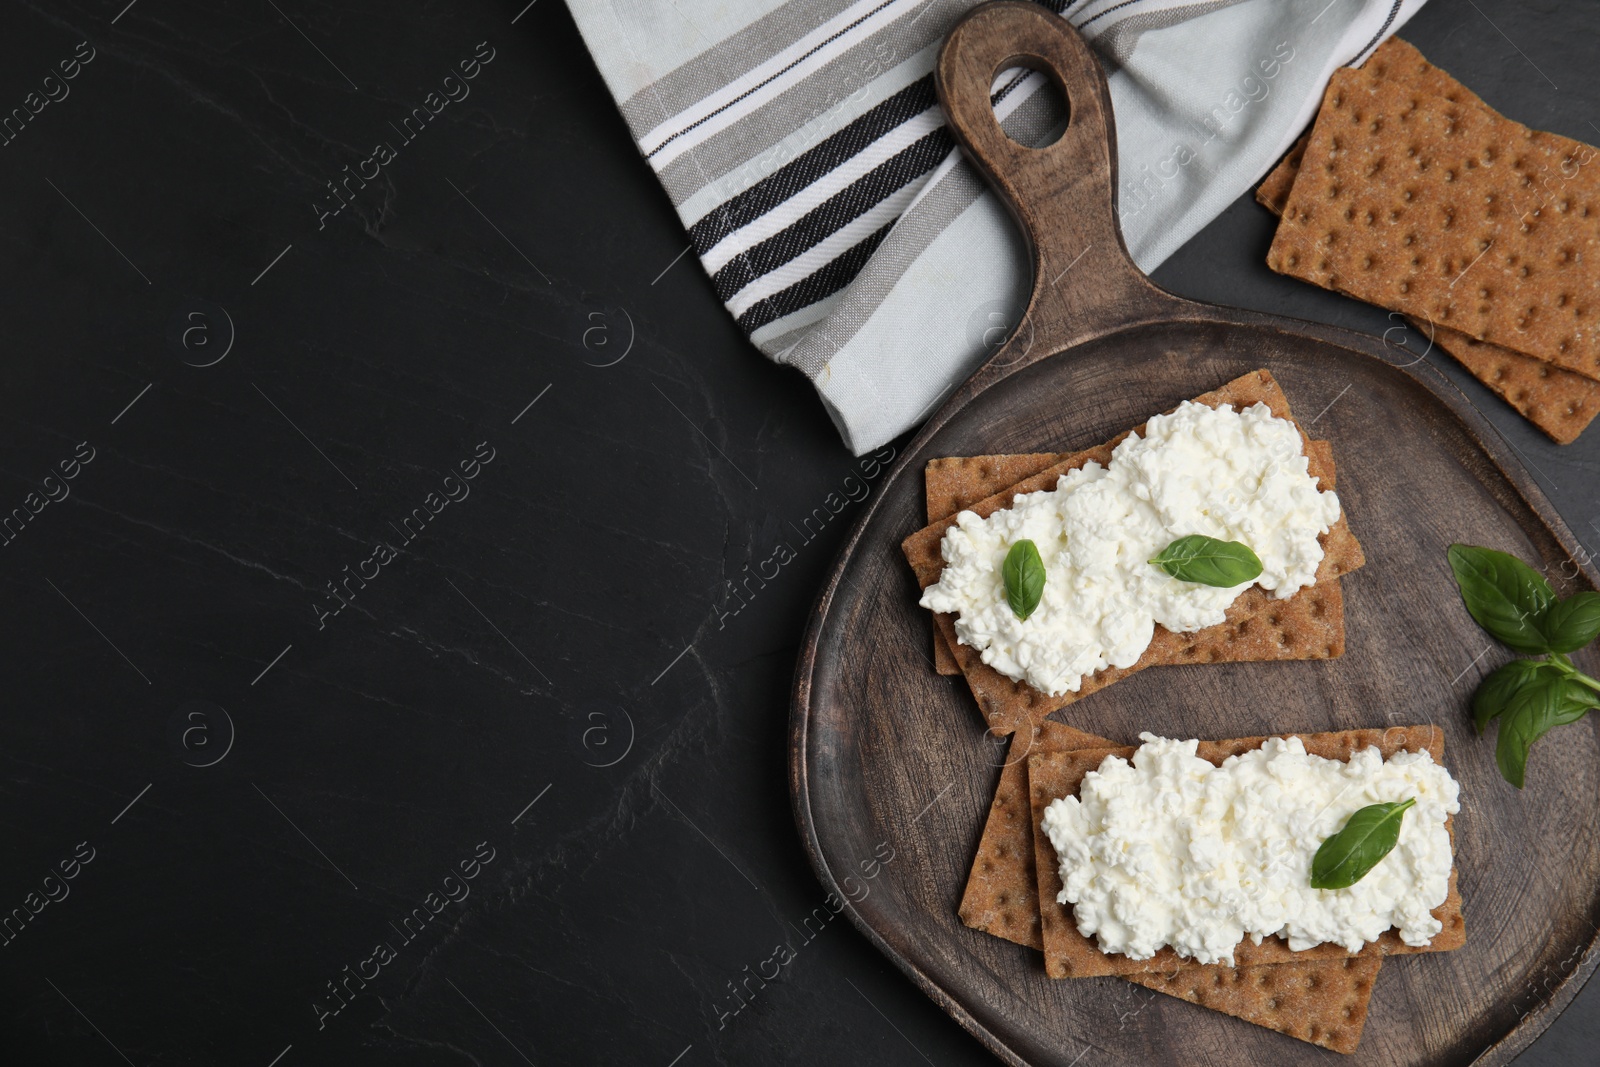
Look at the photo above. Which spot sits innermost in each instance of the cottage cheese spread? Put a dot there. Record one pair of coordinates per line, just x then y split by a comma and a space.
1172, 850
1231, 475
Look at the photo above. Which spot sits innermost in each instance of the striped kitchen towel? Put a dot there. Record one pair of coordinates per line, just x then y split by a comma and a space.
804, 149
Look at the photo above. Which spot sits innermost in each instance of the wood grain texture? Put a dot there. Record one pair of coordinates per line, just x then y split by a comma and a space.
882, 748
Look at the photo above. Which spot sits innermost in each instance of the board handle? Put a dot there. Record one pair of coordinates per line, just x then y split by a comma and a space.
1062, 195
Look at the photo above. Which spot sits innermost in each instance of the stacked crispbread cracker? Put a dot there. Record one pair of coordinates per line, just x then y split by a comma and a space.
1308, 625
1321, 999
1413, 194
1321, 995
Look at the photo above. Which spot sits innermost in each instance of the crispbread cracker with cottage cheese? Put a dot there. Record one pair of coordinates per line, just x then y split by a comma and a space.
1069, 954
1321, 1001
953, 483
1312, 619
1558, 401
1416, 196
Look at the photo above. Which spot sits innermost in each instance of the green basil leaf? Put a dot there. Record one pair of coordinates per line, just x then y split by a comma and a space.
1531, 712
1570, 624
1496, 691
1505, 595
1369, 835
1023, 572
1202, 559
1577, 700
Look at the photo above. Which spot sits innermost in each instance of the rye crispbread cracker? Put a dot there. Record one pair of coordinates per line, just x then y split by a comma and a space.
951, 484
1415, 196
1558, 401
1002, 893
1312, 619
1273, 192
1321, 1001
1069, 954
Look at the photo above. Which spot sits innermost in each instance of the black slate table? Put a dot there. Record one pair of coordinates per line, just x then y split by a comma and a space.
373, 690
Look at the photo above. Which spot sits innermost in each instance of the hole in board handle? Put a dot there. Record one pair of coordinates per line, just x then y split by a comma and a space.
1029, 106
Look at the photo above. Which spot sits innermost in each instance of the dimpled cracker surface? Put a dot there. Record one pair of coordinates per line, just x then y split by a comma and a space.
1273, 192
1002, 894
1558, 401
1414, 196
1312, 620
951, 484
1320, 1001
1069, 954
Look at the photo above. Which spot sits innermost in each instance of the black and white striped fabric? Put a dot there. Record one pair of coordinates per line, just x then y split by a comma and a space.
804, 149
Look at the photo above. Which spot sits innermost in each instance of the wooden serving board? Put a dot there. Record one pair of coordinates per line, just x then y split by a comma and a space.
885, 750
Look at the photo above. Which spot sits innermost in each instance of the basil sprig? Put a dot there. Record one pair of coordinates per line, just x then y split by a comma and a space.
1023, 572
1207, 561
1369, 835
1530, 697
